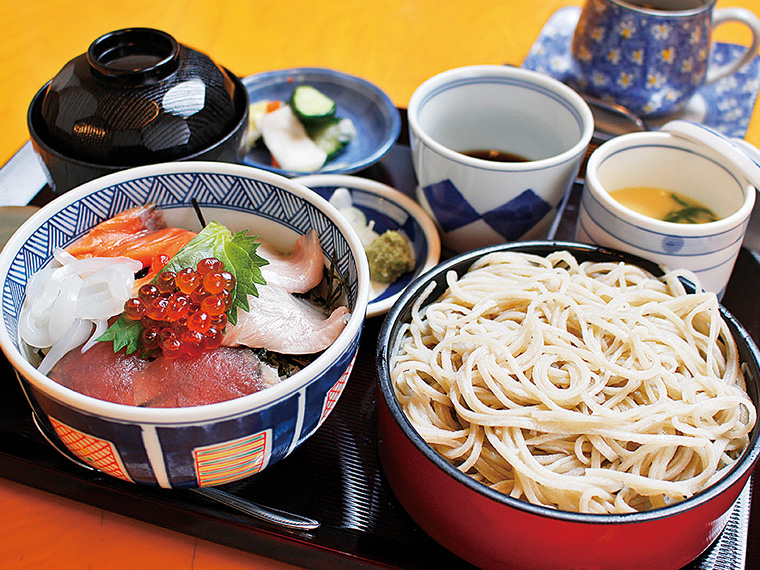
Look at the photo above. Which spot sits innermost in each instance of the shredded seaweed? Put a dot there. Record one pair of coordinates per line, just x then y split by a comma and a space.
337, 285
689, 213
285, 364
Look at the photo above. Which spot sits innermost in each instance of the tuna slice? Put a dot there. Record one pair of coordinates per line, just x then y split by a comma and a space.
100, 373
215, 376
298, 271
280, 322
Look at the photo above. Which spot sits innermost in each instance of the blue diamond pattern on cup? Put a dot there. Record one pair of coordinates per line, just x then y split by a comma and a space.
517, 216
451, 209
510, 220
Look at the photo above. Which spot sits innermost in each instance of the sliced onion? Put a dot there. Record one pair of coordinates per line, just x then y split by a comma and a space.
72, 296
76, 335
104, 293
63, 257
99, 305
34, 332
39, 280
63, 313
101, 326
118, 278
90, 265
45, 299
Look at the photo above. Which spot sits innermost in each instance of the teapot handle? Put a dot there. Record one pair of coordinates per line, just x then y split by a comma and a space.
742, 16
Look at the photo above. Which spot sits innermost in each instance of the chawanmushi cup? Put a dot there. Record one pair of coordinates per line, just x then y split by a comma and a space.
667, 161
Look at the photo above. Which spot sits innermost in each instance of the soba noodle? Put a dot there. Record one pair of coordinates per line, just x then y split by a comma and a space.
590, 387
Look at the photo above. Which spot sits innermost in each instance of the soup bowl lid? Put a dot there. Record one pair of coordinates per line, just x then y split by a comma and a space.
137, 96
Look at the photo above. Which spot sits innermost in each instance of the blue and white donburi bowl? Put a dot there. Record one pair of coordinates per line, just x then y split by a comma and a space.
203, 445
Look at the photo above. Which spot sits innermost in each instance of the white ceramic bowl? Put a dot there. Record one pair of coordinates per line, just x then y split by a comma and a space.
478, 202
389, 209
184, 447
671, 162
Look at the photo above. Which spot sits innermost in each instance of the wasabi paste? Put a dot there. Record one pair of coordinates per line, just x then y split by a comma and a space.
390, 256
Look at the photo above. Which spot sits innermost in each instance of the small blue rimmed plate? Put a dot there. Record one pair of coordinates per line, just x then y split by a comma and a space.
389, 209
376, 119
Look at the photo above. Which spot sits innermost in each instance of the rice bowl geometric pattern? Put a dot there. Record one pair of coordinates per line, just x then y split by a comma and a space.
332, 396
94, 451
231, 460
170, 191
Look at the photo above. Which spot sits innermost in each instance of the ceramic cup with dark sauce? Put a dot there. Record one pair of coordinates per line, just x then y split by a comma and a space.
495, 149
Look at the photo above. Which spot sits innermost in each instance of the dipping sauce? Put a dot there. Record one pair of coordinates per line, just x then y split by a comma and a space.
664, 205
495, 155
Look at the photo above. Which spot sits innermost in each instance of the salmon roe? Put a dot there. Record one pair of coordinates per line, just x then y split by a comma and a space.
183, 313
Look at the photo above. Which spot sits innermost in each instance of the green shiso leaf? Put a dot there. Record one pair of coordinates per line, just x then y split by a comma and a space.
238, 253
124, 333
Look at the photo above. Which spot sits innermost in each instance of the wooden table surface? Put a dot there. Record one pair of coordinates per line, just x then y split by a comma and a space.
396, 44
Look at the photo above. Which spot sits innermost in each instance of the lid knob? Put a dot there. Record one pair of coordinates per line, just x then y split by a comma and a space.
134, 56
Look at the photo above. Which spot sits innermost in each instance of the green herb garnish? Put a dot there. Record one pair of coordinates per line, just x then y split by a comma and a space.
124, 333
237, 252
689, 213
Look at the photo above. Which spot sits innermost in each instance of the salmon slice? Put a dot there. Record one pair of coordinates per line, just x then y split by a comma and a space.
280, 322
297, 271
138, 233
145, 248
123, 227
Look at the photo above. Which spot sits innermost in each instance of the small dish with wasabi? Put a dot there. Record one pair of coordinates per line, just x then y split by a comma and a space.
387, 221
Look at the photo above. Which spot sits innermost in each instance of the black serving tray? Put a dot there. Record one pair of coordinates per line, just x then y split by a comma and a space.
335, 476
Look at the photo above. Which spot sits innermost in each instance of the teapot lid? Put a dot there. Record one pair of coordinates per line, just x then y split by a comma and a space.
738, 151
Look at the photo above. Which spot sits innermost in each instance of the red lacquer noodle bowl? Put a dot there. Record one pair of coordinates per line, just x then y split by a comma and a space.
492, 530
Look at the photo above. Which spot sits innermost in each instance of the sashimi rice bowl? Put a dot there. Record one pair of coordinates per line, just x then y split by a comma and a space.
184, 325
